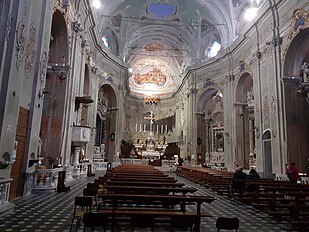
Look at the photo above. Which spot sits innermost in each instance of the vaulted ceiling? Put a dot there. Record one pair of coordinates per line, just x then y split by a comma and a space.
159, 39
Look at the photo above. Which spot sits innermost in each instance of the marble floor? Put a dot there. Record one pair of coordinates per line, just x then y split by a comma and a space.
52, 211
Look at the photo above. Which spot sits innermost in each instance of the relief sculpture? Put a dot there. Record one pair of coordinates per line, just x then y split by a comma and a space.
20, 42
30, 50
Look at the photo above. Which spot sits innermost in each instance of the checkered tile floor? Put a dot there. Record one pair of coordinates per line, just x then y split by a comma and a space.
53, 212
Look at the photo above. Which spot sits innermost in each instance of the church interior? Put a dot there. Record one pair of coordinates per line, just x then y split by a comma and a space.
185, 92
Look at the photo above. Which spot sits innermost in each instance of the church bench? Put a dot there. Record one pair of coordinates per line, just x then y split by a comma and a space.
135, 174
148, 179
139, 199
148, 189
159, 216
143, 183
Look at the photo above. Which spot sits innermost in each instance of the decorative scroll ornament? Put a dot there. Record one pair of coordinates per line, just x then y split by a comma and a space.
30, 50
43, 66
20, 42
300, 20
9, 28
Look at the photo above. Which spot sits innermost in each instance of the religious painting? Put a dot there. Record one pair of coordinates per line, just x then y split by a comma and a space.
153, 77
154, 47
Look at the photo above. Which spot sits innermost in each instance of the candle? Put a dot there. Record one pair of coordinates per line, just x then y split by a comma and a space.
136, 127
140, 127
144, 127
157, 129
161, 129
166, 129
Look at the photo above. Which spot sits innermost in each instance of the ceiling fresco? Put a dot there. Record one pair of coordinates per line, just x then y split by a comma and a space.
160, 39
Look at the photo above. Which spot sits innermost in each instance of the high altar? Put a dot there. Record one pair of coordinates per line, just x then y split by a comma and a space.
149, 144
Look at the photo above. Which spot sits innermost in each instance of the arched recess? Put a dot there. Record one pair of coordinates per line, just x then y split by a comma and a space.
296, 100
210, 132
84, 116
55, 88
244, 122
106, 120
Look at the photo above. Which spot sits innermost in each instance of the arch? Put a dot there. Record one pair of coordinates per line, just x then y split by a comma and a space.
244, 85
204, 98
296, 110
55, 86
210, 121
242, 112
106, 119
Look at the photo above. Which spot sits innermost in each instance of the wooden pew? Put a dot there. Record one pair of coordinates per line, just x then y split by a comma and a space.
148, 190
144, 183
149, 179
154, 199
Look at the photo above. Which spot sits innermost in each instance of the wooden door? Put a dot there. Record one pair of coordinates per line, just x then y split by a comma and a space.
16, 172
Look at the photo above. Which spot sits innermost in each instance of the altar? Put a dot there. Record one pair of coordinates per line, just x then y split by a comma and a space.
151, 154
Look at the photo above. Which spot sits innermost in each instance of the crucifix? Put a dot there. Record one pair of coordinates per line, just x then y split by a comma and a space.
151, 118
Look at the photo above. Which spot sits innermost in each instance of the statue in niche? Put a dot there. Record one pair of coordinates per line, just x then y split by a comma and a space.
219, 142
128, 120
250, 99
305, 72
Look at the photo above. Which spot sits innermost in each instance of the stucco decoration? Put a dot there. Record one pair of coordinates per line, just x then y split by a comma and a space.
43, 66
30, 50
20, 42
300, 20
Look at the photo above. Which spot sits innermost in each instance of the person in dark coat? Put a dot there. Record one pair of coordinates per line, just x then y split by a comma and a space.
292, 172
253, 175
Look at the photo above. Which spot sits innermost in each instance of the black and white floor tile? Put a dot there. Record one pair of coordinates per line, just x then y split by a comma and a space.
52, 211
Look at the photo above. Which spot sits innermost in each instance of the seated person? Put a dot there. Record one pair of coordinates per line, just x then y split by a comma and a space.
292, 172
239, 175
253, 175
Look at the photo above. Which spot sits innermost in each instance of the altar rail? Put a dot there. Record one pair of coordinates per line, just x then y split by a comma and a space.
134, 161
168, 165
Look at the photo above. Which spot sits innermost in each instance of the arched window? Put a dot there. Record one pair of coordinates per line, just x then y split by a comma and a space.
213, 49
105, 41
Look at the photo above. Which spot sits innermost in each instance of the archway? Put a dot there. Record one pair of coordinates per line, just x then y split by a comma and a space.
210, 138
296, 100
106, 120
55, 89
244, 121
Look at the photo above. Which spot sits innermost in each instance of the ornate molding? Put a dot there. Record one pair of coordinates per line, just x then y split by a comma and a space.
20, 42
30, 50
43, 66
300, 20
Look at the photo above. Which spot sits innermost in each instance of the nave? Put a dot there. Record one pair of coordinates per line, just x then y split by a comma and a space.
53, 212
